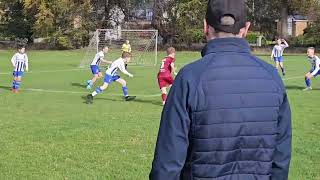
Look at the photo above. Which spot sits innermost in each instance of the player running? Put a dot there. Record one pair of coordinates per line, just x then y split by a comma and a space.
165, 78
99, 57
20, 63
277, 54
111, 76
315, 70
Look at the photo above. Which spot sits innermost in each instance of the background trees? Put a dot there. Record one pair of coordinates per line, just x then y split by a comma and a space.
68, 22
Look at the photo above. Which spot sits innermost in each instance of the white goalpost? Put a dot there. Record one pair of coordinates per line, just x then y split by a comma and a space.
144, 45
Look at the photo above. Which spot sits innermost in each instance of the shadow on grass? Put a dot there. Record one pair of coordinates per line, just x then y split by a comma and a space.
295, 87
121, 99
153, 102
7, 88
79, 85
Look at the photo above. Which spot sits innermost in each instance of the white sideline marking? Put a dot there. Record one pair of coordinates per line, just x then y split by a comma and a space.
53, 71
295, 77
83, 92
49, 71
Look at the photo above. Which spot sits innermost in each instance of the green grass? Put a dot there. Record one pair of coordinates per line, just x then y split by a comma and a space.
52, 134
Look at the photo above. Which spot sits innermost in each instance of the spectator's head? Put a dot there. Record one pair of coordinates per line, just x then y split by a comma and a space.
105, 49
127, 42
226, 18
126, 56
171, 52
311, 52
21, 49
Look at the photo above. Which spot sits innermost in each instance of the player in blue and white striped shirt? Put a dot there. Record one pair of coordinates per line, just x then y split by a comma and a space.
277, 54
20, 63
94, 66
315, 69
112, 76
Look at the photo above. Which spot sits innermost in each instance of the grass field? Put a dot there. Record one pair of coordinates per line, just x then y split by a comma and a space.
48, 132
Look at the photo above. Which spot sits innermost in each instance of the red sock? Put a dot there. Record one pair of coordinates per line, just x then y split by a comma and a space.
164, 97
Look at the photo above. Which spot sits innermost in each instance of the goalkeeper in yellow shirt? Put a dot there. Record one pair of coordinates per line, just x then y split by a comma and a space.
126, 47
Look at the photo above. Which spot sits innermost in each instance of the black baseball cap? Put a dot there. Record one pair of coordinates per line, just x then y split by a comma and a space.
227, 15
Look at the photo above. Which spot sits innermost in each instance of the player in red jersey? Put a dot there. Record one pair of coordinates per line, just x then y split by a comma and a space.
165, 77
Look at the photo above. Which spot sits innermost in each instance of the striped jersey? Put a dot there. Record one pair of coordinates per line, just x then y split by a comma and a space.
20, 61
315, 62
117, 64
278, 50
97, 58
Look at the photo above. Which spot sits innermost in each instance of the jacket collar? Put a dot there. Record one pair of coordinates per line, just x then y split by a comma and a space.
238, 45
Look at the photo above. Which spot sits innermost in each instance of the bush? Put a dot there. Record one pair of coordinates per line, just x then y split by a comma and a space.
191, 36
304, 41
311, 36
79, 38
64, 43
252, 37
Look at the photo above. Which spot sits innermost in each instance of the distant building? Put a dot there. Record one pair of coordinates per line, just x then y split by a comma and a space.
140, 18
296, 25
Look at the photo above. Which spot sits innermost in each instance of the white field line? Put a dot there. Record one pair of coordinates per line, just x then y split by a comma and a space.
290, 78
83, 92
49, 71
86, 69
59, 70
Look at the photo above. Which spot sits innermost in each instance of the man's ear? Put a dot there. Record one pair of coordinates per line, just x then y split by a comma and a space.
205, 27
244, 31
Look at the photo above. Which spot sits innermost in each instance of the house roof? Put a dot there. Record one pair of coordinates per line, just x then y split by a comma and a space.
299, 17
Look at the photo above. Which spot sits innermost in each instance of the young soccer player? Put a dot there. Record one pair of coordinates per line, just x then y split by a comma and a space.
277, 54
126, 47
20, 63
315, 70
99, 57
165, 77
111, 76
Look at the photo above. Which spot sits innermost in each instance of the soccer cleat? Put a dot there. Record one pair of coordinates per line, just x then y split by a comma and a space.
283, 73
307, 89
89, 99
130, 98
88, 82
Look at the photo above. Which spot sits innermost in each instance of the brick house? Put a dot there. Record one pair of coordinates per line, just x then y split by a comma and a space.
296, 25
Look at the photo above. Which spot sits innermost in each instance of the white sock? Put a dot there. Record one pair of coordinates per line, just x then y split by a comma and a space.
94, 93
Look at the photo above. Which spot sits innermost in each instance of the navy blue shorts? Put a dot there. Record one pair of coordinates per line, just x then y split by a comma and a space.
18, 73
95, 69
109, 79
278, 59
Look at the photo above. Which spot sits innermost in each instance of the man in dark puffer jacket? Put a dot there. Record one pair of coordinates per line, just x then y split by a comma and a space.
227, 116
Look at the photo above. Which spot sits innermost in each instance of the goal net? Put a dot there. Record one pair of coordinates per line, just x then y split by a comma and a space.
143, 44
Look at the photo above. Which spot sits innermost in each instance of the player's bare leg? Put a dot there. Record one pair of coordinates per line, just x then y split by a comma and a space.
99, 90
94, 79
17, 83
164, 95
277, 65
282, 68
125, 90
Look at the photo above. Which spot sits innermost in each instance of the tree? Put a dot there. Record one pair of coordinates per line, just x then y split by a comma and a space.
165, 19
191, 14
16, 23
264, 13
